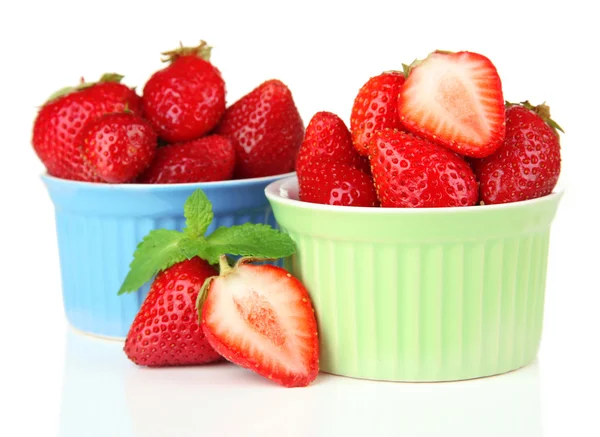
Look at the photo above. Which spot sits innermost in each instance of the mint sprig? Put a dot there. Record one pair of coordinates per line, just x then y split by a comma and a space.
247, 240
162, 248
158, 250
198, 214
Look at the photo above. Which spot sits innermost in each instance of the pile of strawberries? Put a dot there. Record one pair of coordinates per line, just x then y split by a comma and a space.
438, 134
178, 131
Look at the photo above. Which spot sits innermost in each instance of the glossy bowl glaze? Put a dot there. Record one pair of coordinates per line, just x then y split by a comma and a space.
99, 227
433, 294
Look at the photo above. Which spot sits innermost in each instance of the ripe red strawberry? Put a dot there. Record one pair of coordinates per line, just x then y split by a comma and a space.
64, 115
207, 159
333, 183
411, 172
186, 99
375, 108
266, 130
527, 165
261, 318
327, 136
117, 147
455, 99
166, 331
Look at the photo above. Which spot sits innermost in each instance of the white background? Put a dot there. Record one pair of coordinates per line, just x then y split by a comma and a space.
324, 51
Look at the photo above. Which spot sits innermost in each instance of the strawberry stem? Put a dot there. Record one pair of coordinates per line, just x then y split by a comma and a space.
252, 259
203, 51
202, 294
224, 267
407, 69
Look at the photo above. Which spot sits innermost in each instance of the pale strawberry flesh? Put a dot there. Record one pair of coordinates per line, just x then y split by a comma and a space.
261, 318
456, 100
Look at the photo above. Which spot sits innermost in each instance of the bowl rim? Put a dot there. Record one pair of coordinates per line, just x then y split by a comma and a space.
161, 187
273, 193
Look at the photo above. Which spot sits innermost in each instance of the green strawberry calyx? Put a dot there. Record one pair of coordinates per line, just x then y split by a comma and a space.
542, 110
162, 248
203, 50
106, 77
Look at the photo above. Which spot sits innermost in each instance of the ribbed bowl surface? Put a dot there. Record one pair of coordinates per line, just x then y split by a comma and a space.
421, 295
99, 227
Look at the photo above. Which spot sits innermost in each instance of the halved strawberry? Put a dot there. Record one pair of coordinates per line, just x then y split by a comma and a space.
455, 99
261, 317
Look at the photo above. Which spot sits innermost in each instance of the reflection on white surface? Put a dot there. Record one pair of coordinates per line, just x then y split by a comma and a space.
107, 396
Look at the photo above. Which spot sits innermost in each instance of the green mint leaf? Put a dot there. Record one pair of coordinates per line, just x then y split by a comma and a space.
194, 247
158, 250
256, 240
198, 213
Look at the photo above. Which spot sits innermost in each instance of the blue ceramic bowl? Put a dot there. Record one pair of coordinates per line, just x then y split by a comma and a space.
100, 225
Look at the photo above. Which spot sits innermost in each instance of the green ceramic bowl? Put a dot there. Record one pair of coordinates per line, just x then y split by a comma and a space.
433, 294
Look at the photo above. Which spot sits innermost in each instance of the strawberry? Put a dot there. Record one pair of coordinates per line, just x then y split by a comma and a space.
266, 130
375, 108
166, 331
455, 99
527, 165
327, 136
62, 118
117, 147
186, 99
207, 159
333, 183
411, 172
261, 318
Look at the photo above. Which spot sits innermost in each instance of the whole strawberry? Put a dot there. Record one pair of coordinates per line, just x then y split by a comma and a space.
455, 100
62, 118
375, 108
411, 172
327, 136
207, 159
117, 147
334, 183
527, 165
186, 99
166, 331
266, 130
261, 318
